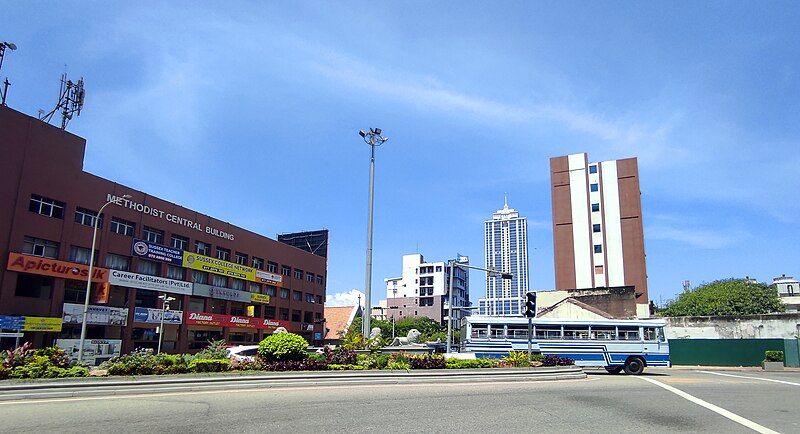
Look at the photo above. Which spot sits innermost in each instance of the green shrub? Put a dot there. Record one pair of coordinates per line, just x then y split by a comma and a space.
317, 357
4, 372
214, 350
283, 347
773, 356
537, 357
373, 361
517, 359
470, 363
144, 362
335, 367
209, 365
399, 365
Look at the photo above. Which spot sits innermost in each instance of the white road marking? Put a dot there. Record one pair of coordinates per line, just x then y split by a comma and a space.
719, 410
751, 378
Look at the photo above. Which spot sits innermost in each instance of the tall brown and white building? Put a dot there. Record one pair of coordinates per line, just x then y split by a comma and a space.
598, 234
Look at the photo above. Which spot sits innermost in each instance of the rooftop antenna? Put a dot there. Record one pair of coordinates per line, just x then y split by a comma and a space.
70, 101
11, 46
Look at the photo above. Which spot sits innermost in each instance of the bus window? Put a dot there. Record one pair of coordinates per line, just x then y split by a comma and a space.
603, 333
649, 333
548, 332
576, 332
480, 331
627, 333
497, 332
661, 337
516, 331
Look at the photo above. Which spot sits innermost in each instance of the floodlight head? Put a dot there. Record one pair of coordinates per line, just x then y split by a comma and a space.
362, 133
377, 131
10, 45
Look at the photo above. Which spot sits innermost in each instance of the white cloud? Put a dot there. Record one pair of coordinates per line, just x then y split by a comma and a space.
349, 298
700, 238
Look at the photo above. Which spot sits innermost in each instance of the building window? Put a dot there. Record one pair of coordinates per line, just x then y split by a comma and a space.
598, 269
148, 267
199, 277
220, 281
284, 293
594, 187
223, 254
310, 277
319, 299
269, 312
298, 274
202, 248
284, 314
86, 217
179, 242
254, 287
297, 295
154, 236
270, 290
593, 168
174, 272
595, 207
308, 317
596, 227
258, 263
118, 262
238, 284
241, 258
309, 298
40, 247
272, 267
122, 227
34, 286
598, 248
295, 316
46, 207
80, 255
319, 279
286, 270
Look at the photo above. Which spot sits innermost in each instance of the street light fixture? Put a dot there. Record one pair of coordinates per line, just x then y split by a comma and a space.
374, 139
164, 310
463, 261
89, 277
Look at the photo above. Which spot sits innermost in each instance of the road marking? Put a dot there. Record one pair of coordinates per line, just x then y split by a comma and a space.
719, 410
268, 388
751, 378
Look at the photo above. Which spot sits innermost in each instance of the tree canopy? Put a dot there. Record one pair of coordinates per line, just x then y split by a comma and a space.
726, 297
430, 329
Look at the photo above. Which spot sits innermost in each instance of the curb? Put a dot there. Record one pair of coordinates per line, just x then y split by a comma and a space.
555, 372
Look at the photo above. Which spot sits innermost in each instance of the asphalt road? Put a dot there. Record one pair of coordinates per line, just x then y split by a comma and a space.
663, 401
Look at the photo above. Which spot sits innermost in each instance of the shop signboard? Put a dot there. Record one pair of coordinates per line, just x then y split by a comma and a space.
218, 266
8, 322
54, 268
270, 278
95, 351
220, 320
157, 252
153, 316
204, 290
259, 298
30, 323
153, 283
98, 315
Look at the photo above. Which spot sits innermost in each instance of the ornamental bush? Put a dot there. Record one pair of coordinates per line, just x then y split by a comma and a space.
517, 359
209, 365
470, 363
373, 361
50, 362
399, 366
552, 360
773, 356
295, 365
340, 356
283, 347
335, 367
427, 361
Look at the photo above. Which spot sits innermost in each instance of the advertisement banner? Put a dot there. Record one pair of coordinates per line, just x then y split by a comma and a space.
266, 277
153, 316
156, 252
41, 324
100, 315
54, 268
153, 283
95, 351
220, 293
220, 320
218, 266
259, 298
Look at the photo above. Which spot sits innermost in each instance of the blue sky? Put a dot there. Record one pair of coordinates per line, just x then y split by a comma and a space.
260, 104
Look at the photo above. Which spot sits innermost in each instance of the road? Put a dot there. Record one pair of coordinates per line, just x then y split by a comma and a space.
663, 401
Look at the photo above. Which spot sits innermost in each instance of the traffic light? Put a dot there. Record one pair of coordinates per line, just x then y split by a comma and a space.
530, 305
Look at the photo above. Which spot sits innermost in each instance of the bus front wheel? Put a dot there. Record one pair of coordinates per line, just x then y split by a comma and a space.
634, 366
613, 369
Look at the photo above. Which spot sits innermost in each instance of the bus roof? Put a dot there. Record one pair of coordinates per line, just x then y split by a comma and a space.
654, 322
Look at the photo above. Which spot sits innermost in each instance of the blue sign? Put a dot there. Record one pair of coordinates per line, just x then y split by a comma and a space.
12, 322
146, 249
153, 316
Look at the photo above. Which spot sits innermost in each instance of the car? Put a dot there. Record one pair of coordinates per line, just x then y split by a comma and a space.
243, 353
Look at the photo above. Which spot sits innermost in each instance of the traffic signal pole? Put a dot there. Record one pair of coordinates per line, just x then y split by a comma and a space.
530, 312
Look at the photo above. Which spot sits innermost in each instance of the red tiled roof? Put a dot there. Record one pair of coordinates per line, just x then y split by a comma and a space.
338, 319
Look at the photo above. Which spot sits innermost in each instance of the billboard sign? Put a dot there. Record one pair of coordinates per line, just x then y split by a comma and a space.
30, 323
266, 277
54, 268
215, 319
153, 283
100, 315
157, 252
259, 298
220, 293
153, 316
199, 262
95, 351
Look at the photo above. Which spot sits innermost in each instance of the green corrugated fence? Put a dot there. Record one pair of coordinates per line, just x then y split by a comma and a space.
731, 352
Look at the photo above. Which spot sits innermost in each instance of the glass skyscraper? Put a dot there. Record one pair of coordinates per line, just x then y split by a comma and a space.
506, 250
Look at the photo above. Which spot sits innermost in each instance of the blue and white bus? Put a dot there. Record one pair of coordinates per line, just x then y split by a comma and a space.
616, 345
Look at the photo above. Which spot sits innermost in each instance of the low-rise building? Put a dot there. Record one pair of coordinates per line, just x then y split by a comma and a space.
789, 290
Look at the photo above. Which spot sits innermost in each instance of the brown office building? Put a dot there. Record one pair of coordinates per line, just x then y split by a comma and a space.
598, 235
226, 282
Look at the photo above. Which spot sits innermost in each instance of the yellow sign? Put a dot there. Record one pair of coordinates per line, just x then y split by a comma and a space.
218, 266
251, 311
259, 298
41, 324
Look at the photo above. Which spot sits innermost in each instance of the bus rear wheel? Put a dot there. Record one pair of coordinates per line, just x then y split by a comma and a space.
613, 369
634, 366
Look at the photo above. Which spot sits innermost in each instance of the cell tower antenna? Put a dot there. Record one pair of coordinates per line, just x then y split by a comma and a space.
71, 96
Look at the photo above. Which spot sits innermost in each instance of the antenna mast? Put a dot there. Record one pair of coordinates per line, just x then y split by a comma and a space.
70, 101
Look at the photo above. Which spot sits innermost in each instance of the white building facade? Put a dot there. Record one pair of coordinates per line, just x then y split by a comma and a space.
506, 251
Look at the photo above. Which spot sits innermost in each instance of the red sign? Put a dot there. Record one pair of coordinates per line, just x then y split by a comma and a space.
53, 267
220, 320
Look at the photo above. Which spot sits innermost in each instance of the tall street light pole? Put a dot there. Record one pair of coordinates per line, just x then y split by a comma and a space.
164, 309
374, 139
89, 278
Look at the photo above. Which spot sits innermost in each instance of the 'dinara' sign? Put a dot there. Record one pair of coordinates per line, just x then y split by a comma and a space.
155, 212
